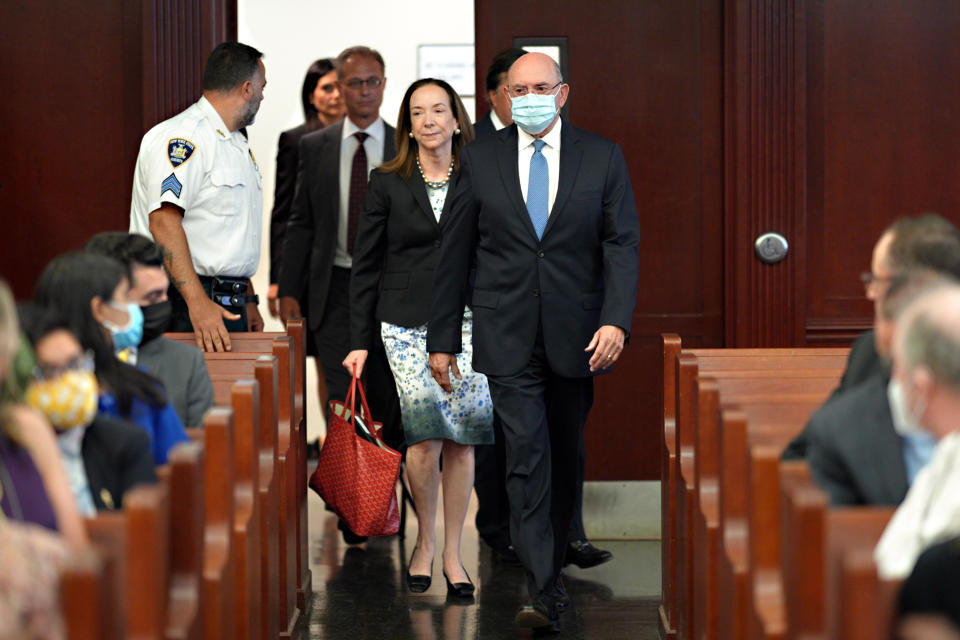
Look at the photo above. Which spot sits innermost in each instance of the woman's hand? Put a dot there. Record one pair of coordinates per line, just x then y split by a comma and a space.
356, 357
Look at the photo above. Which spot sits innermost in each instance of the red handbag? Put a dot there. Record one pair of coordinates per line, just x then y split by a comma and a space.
357, 473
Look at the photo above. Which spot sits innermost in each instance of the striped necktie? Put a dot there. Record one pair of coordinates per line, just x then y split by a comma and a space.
538, 189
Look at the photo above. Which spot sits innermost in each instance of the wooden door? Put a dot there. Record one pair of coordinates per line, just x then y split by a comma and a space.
647, 75
839, 118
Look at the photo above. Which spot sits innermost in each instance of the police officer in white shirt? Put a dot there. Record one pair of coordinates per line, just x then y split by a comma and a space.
197, 191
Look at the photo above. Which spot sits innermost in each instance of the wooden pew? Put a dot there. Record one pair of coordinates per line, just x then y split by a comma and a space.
108, 537
86, 597
245, 399
147, 511
184, 615
219, 558
668, 614
781, 390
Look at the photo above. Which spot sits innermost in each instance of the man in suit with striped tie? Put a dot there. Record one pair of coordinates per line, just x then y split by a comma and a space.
544, 215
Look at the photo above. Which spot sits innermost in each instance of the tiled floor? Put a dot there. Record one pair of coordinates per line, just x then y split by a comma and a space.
360, 592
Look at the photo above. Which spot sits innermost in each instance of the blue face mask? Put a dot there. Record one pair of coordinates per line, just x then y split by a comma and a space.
533, 112
131, 334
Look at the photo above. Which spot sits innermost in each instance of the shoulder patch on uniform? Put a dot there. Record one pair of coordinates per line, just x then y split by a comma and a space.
172, 185
179, 151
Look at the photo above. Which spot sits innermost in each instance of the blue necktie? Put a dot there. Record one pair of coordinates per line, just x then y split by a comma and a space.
538, 189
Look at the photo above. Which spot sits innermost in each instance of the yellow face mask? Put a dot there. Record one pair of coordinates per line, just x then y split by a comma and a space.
67, 401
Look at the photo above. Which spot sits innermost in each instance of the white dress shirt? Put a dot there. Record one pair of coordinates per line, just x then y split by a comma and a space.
497, 123
929, 514
195, 162
550, 151
373, 146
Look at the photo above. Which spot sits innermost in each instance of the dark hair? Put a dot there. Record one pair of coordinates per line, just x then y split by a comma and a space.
66, 287
39, 322
500, 65
230, 64
928, 241
131, 249
358, 50
406, 157
317, 70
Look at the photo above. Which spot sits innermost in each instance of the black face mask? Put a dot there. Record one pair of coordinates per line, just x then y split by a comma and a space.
156, 319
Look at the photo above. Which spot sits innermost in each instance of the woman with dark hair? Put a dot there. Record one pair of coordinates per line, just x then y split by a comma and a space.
395, 253
88, 293
322, 106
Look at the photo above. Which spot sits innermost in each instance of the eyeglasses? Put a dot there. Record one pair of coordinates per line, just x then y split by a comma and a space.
869, 279
355, 84
83, 362
541, 89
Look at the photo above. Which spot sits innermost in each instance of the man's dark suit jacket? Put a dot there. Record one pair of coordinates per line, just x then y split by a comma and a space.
311, 238
116, 456
484, 128
581, 275
183, 372
288, 159
394, 255
854, 452
863, 362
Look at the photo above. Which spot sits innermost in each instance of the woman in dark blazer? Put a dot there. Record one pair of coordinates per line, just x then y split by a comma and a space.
322, 106
395, 253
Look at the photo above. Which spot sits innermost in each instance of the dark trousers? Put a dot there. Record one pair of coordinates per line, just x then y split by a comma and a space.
542, 416
493, 504
332, 339
180, 313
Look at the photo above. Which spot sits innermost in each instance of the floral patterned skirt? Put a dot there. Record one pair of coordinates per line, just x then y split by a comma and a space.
464, 416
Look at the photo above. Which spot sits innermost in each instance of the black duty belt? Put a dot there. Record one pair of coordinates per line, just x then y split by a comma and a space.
229, 292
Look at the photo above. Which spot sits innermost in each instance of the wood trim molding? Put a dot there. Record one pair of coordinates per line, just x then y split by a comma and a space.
765, 169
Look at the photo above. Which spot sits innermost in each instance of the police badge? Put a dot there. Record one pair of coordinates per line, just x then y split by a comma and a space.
179, 151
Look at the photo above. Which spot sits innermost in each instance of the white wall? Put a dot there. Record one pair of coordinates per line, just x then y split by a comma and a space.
294, 33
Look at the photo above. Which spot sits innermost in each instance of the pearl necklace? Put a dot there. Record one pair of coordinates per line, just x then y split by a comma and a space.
435, 184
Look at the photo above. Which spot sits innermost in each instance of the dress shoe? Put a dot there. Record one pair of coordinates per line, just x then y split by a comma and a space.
348, 535
459, 589
539, 615
418, 583
585, 555
313, 449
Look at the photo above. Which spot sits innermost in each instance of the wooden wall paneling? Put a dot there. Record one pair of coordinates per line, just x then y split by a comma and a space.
765, 114
656, 89
882, 133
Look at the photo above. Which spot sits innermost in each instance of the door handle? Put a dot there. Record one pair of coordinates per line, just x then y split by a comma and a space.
771, 247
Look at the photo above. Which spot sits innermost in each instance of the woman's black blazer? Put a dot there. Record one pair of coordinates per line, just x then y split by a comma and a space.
394, 256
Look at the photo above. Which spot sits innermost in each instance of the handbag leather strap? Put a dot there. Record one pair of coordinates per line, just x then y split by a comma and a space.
351, 398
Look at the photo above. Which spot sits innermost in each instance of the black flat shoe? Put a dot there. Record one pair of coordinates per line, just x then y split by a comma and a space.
418, 583
585, 555
459, 589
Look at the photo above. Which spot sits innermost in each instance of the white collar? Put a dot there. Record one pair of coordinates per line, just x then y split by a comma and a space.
375, 130
215, 120
497, 123
552, 139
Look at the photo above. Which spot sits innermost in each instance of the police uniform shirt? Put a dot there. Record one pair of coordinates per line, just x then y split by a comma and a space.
195, 162
373, 146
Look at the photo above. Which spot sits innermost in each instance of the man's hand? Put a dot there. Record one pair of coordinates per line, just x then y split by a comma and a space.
289, 308
440, 366
208, 328
356, 358
272, 306
254, 319
607, 345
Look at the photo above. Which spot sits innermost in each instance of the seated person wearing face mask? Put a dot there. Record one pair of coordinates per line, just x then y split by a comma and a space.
862, 448
926, 363
180, 367
89, 293
103, 457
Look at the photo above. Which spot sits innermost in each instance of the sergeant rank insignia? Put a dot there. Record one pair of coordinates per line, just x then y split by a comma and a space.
172, 185
179, 151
